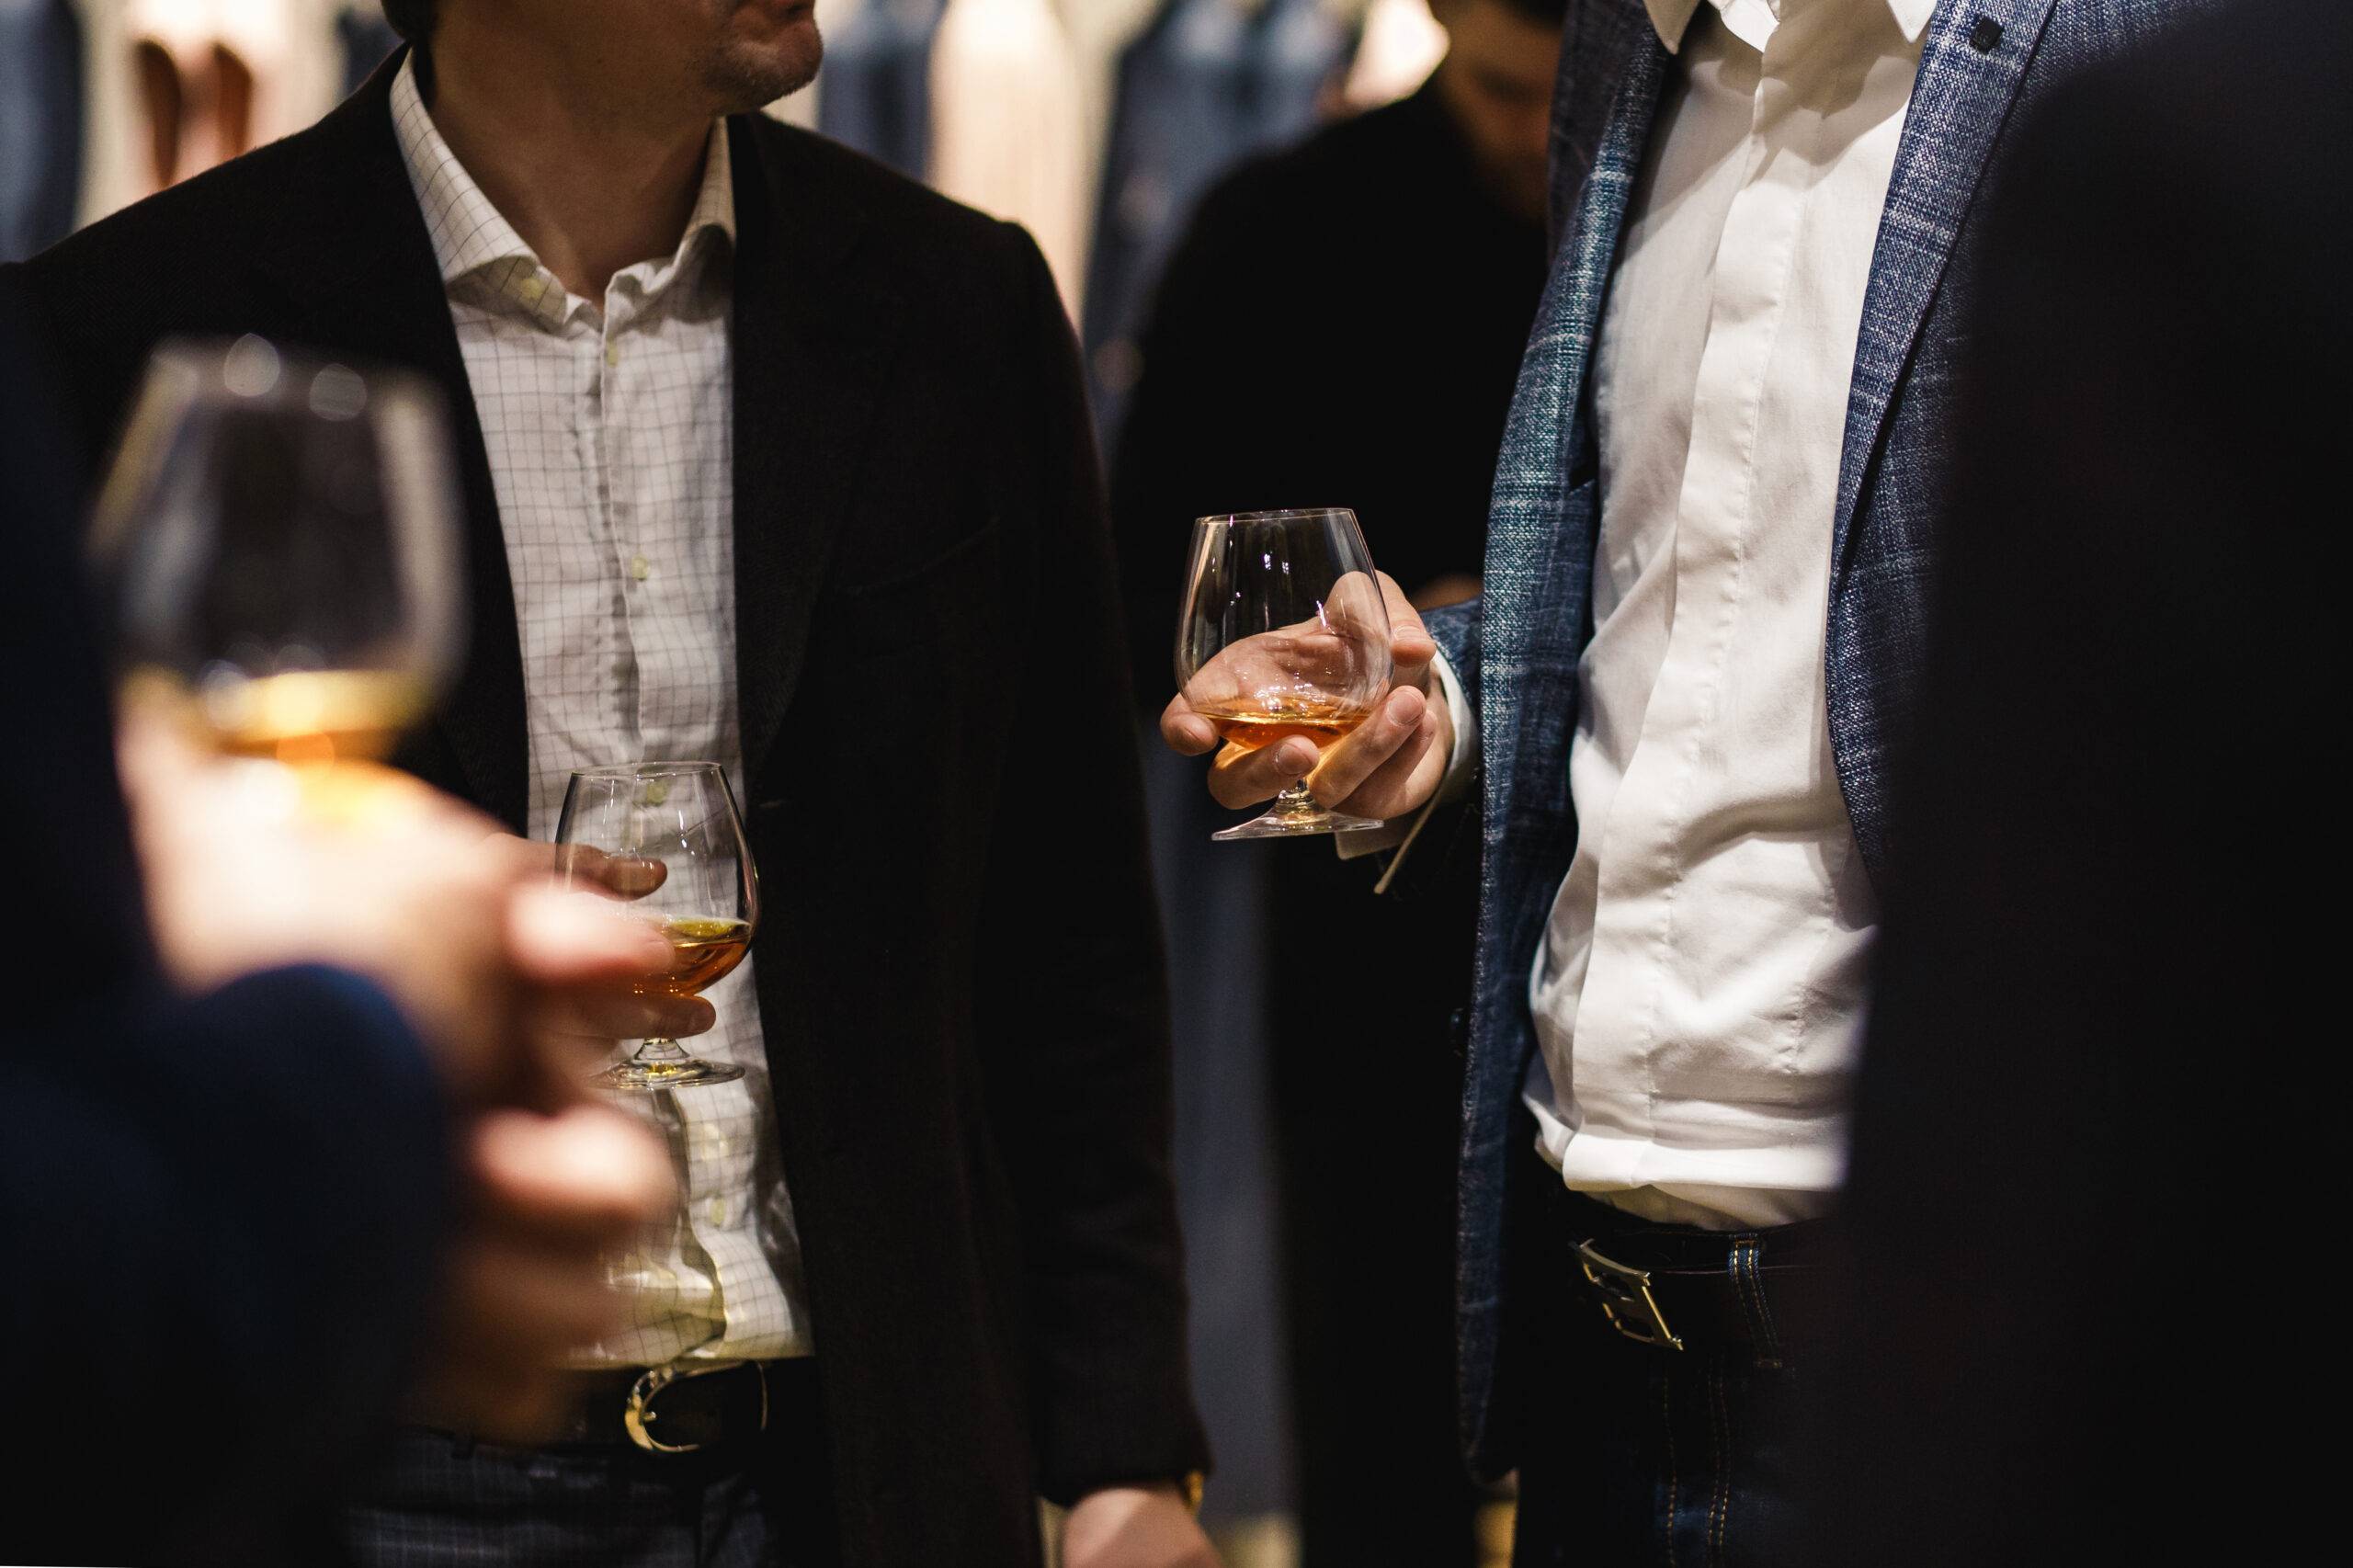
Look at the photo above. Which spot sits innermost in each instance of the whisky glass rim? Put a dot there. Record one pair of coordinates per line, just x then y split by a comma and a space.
1280, 515
653, 769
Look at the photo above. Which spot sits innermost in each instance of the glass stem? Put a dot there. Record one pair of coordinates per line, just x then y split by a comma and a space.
656, 1050
1296, 801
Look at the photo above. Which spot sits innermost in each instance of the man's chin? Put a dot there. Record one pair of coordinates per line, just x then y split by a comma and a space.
777, 60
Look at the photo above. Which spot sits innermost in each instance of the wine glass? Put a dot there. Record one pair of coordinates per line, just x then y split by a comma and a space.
279, 534
1284, 633
667, 836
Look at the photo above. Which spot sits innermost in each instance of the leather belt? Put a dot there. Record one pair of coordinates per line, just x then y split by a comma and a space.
687, 1406
1679, 1287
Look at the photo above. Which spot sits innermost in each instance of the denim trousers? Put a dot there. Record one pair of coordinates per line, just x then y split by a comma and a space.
1638, 1454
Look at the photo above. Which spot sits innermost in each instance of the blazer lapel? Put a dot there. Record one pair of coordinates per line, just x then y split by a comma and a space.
1959, 102
813, 338
360, 270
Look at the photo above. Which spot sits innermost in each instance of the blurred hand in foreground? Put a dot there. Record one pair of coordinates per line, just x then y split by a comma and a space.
515, 986
1135, 1527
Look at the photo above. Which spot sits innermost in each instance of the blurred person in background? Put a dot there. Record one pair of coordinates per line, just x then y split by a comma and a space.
2072, 1329
776, 460
295, 1137
1342, 325
1664, 732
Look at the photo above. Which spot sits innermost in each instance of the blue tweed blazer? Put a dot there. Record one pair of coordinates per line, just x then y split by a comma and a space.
1517, 648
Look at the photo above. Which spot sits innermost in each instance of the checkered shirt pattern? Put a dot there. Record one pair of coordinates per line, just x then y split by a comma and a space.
609, 428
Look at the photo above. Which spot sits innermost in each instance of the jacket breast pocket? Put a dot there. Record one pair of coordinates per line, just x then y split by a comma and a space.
951, 593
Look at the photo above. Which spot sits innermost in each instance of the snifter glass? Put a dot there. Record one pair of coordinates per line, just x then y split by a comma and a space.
279, 534
1284, 633
666, 837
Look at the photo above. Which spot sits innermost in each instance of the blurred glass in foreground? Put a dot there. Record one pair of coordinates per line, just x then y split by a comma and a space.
278, 537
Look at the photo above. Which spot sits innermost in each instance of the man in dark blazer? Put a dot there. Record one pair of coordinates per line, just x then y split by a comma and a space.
1716, 530
2091, 1119
258, 1181
964, 1203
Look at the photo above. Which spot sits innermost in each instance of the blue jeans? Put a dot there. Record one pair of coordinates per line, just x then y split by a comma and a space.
1641, 1455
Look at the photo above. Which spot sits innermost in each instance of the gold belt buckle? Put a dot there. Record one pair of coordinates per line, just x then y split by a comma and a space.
1626, 1299
639, 1413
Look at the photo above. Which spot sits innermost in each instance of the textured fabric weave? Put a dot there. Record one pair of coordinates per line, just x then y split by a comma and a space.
609, 426
1517, 648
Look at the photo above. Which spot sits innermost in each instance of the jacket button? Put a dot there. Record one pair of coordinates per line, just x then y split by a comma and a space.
1984, 35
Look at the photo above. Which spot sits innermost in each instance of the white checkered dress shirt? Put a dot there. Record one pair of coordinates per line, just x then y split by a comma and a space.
609, 427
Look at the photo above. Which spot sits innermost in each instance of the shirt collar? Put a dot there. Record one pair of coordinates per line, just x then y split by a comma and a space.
469, 234
1753, 21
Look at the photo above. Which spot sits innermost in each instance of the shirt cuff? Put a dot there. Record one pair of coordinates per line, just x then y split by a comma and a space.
1461, 767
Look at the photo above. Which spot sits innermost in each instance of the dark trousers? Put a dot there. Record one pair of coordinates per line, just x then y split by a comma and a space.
440, 1502
1637, 1454
1367, 1150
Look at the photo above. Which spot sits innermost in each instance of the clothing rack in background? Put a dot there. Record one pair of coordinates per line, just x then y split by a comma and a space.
105, 101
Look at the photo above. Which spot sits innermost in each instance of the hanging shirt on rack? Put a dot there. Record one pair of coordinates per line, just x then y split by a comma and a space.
1208, 84
876, 95
367, 41
1005, 126
41, 123
224, 76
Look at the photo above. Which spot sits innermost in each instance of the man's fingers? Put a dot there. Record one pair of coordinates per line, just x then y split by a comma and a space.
563, 939
1407, 779
1351, 761
587, 1174
1185, 731
530, 1300
1241, 778
601, 1014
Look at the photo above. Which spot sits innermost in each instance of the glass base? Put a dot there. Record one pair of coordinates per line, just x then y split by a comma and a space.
641, 1076
1294, 814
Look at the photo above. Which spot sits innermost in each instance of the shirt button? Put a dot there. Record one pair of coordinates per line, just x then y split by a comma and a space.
612, 353
640, 568
718, 1211
530, 289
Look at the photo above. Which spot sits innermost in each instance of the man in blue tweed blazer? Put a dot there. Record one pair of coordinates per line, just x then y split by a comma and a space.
1671, 718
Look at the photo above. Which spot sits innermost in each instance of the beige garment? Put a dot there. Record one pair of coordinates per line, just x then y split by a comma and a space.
1100, 32
288, 45
1005, 126
1401, 46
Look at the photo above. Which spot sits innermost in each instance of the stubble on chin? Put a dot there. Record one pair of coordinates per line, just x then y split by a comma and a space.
745, 77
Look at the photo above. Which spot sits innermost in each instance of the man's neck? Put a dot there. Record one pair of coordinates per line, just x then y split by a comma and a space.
592, 185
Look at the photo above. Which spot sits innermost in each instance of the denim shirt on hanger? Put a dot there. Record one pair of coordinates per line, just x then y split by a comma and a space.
1207, 84
876, 94
368, 40
40, 124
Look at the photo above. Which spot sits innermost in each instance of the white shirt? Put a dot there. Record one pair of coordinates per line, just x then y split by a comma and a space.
1699, 992
609, 424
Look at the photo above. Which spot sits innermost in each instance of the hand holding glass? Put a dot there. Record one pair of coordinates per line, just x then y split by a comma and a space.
1284, 633
667, 836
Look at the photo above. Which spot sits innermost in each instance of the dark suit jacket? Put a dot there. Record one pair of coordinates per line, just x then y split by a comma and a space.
2100, 1118
219, 1217
960, 979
